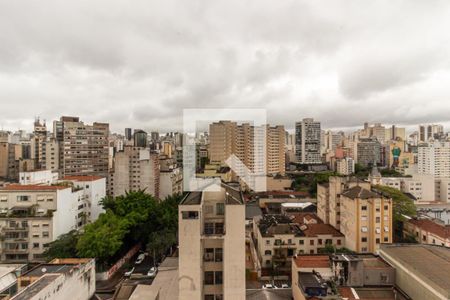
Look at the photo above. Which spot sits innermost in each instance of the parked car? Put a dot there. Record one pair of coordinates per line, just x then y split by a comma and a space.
140, 259
284, 286
268, 286
152, 272
129, 272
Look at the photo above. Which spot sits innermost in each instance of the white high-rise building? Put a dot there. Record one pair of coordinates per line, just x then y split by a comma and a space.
308, 141
434, 159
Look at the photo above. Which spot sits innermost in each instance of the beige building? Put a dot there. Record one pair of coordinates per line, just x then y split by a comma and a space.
83, 148
280, 237
362, 215
427, 231
366, 219
171, 177
212, 245
260, 148
328, 198
135, 169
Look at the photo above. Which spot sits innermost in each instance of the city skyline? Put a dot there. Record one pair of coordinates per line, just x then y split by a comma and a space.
341, 64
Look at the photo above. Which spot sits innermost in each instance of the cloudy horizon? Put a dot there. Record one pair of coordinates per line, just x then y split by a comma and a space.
139, 64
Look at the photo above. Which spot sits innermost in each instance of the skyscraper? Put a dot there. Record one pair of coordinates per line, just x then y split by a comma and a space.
308, 141
83, 148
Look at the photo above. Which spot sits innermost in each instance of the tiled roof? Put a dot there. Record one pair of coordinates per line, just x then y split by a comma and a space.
301, 216
428, 225
82, 178
359, 192
33, 187
313, 230
312, 261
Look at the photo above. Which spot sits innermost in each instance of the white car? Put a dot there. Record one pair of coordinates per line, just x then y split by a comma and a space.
140, 259
284, 286
268, 286
152, 272
128, 273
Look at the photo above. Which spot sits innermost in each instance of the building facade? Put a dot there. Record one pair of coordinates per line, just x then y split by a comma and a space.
308, 141
212, 245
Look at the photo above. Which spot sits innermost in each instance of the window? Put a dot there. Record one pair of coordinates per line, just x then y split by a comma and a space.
364, 249
386, 239
267, 252
218, 254
338, 242
189, 215
267, 242
328, 242
289, 241
220, 209
35, 245
45, 234
209, 278
209, 297
219, 228
320, 242
277, 242
209, 254
22, 198
363, 229
364, 239
301, 242
377, 219
267, 262
209, 228
377, 240
363, 207
218, 276
311, 251
386, 207
311, 242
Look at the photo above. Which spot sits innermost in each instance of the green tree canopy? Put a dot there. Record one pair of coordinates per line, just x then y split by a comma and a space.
63, 247
402, 204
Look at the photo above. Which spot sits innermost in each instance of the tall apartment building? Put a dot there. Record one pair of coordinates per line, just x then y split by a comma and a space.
212, 245
171, 177
135, 169
83, 148
434, 159
34, 215
39, 142
308, 141
366, 219
368, 151
345, 166
260, 148
430, 131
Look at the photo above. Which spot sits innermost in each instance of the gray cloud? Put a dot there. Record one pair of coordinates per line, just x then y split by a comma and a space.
138, 64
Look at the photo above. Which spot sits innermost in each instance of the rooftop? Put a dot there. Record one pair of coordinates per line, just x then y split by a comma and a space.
312, 261
34, 288
430, 263
360, 193
82, 178
271, 225
320, 229
33, 187
440, 230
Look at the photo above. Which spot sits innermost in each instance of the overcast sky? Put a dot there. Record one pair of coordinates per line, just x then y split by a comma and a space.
139, 63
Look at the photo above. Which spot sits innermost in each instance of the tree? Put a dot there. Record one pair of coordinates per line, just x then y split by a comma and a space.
103, 238
160, 241
402, 204
64, 246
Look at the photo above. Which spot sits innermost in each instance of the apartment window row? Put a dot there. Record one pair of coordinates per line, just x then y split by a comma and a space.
213, 278
214, 228
213, 255
214, 297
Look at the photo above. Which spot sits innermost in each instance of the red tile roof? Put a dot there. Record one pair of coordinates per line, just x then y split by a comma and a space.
82, 178
313, 230
312, 261
300, 216
33, 187
440, 230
